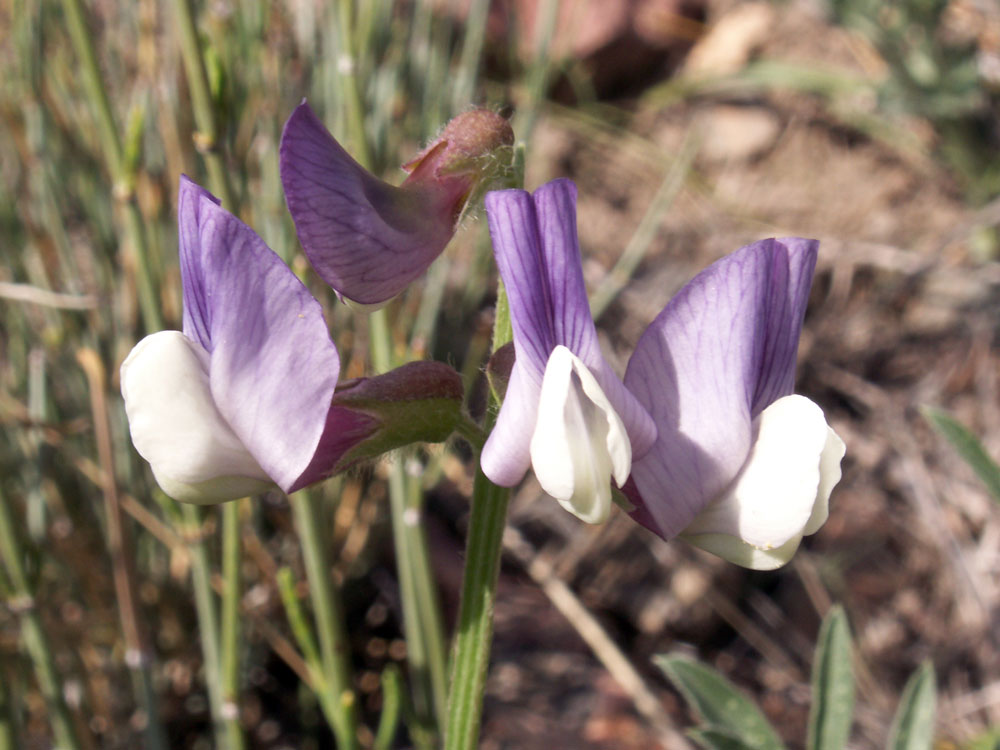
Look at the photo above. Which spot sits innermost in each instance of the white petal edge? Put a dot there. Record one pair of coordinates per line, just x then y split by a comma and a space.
579, 442
782, 492
176, 427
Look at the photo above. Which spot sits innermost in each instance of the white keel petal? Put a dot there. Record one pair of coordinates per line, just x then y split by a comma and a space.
579, 442
176, 427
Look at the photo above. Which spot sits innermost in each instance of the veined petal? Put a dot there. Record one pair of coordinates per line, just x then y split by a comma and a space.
517, 247
579, 441
719, 353
176, 427
783, 489
365, 238
273, 368
573, 325
538, 254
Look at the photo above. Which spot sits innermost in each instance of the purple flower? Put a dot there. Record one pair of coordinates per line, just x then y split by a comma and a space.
245, 397
740, 467
365, 238
565, 412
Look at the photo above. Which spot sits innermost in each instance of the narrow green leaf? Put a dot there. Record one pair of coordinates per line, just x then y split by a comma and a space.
913, 727
832, 685
713, 738
722, 707
968, 446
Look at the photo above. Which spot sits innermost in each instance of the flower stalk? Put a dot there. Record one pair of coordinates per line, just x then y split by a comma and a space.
229, 657
483, 550
333, 642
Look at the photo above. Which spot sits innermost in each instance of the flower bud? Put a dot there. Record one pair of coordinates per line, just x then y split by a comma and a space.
418, 402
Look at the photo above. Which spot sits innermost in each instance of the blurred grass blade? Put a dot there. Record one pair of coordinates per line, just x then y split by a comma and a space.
33, 635
7, 738
625, 267
968, 446
832, 685
724, 710
392, 703
913, 727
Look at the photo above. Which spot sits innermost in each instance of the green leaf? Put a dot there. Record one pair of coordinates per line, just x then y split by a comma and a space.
913, 727
968, 447
832, 685
713, 738
722, 707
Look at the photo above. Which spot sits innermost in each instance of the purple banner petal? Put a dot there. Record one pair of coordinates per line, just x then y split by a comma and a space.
538, 254
719, 353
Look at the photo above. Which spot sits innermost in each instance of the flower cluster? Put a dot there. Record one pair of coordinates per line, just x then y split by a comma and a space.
704, 435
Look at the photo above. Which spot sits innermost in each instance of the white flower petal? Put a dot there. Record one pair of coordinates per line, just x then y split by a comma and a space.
782, 491
735, 550
579, 441
176, 427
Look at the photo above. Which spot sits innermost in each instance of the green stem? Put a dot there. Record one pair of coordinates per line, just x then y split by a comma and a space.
82, 39
483, 548
392, 703
229, 660
35, 640
207, 137
208, 623
428, 601
471, 431
475, 617
333, 642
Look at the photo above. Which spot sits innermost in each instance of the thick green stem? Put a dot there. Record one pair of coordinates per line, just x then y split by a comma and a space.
207, 138
483, 548
334, 645
229, 666
35, 640
474, 636
82, 38
208, 621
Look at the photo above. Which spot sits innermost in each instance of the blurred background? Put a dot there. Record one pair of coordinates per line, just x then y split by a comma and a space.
692, 127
